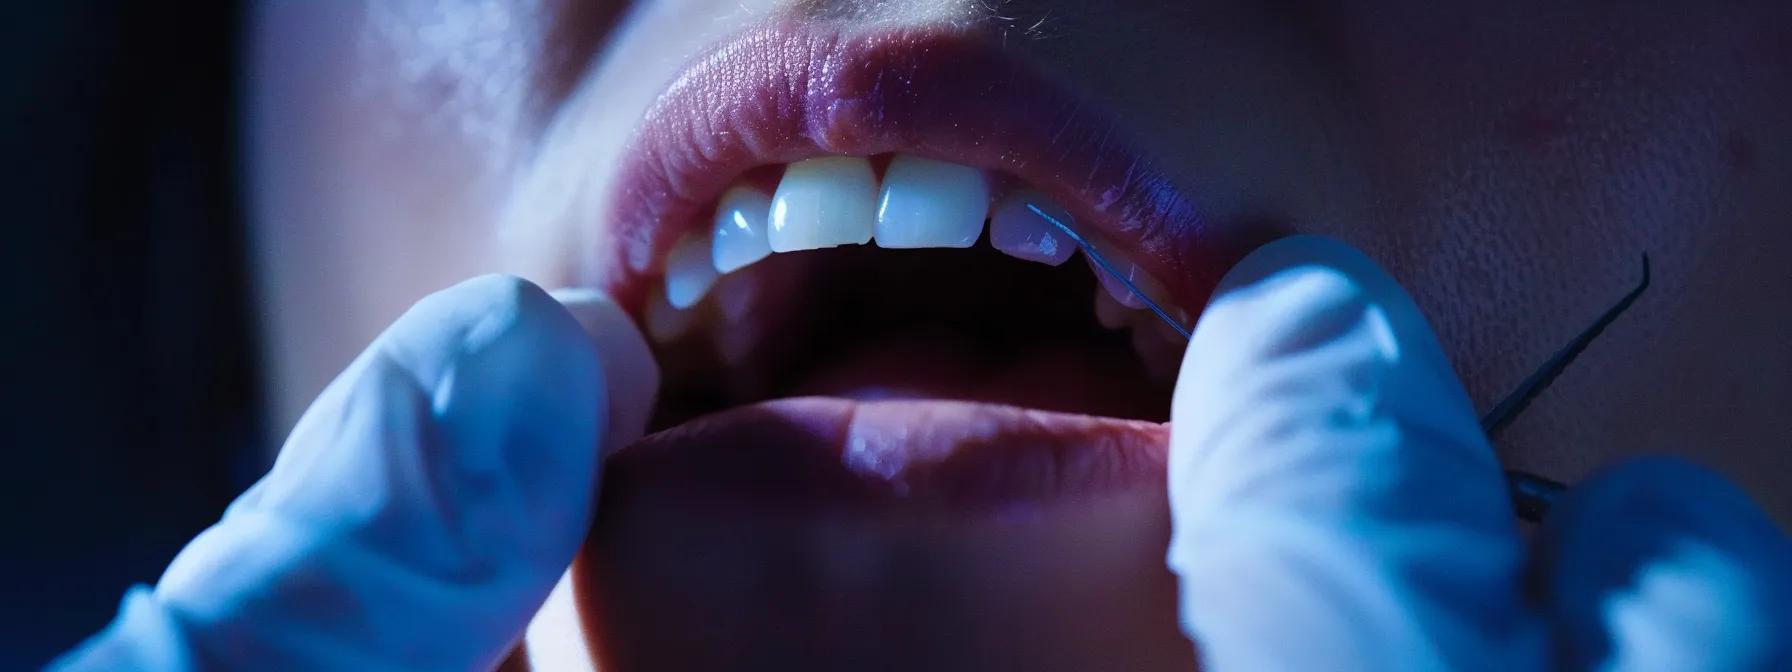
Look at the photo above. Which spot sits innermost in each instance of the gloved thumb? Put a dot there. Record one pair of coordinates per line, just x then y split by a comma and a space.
1659, 564
416, 517
1335, 504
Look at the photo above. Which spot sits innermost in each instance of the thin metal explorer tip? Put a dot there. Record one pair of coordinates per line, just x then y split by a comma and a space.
1508, 409
1102, 263
1533, 495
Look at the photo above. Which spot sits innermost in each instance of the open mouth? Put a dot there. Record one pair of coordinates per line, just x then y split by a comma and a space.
900, 419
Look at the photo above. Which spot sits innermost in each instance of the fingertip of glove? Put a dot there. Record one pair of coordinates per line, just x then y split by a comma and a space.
1302, 250
1659, 555
1308, 344
455, 326
577, 341
516, 395
1665, 495
1293, 295
1326, 267
631, 374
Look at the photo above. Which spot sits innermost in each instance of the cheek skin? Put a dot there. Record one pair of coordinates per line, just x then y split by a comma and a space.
383, 133
1518, 199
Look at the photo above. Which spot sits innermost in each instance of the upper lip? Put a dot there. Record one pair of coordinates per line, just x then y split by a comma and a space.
784, 91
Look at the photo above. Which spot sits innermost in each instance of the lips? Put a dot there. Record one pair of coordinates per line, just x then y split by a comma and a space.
749, 555
786, 91
916, 484
851, 453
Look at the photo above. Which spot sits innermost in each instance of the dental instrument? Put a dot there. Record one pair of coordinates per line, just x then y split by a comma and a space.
1532, 495
1089, 249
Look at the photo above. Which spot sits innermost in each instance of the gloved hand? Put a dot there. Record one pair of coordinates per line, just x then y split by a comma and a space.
1337, 507
423, 506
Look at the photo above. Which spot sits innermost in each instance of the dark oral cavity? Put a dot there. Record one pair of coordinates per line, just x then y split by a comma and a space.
869, 323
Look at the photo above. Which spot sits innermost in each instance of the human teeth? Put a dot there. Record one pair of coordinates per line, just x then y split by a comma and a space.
1135, 274
734, 302
1161, 357
1109, 312
689, 271
666, 323
928, 203
1020, 232
823, 202
740, 233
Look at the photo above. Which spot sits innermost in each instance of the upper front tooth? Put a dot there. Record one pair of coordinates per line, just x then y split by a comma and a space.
689, 271
1020, 232
823, 202
928, 203
740, 235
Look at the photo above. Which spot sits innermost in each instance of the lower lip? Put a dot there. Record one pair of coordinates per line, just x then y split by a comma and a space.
899, 454
936, 535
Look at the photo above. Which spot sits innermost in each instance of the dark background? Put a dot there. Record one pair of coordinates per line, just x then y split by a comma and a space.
131, 408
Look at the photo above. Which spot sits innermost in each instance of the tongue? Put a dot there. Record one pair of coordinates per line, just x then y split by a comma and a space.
1065, 377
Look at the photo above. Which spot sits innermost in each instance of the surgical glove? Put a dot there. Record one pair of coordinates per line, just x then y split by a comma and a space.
1336, 506
421, 509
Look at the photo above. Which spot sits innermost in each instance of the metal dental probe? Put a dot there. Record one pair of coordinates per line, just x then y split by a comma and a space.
1532, 495
1103, 263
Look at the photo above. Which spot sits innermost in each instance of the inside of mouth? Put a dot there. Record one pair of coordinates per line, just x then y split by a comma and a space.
869, 322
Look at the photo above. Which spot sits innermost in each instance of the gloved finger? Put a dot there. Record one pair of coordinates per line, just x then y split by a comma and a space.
1658, 564
555, 638
1335, 503
420, 510
623, 355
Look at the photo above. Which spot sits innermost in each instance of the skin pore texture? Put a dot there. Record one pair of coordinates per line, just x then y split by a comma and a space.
1506, 162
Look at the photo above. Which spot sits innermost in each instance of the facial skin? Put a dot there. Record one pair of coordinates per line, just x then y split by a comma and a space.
1507, 162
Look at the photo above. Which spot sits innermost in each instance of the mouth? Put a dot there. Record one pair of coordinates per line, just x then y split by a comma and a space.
883, 375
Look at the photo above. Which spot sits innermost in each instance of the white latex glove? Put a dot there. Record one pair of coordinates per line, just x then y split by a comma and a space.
1336, 506
423, 506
